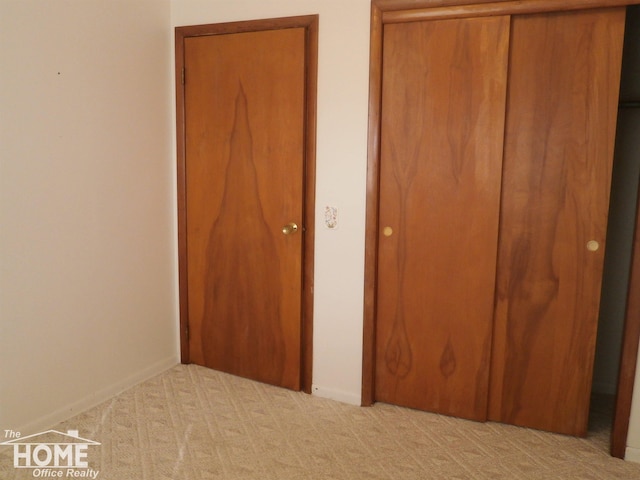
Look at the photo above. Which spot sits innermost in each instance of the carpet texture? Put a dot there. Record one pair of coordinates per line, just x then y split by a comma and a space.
195, 423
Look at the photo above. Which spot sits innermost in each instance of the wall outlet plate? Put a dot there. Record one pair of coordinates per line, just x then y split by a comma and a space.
331, 217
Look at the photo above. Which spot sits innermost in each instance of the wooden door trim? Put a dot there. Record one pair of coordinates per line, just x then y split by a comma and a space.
372, 202
402, 11
310, 24
629, 354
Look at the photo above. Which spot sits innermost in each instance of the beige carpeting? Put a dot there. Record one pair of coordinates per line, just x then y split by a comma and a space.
195, 423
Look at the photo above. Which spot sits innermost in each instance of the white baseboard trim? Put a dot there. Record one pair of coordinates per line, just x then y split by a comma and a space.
338, 395
632, 454
93, 399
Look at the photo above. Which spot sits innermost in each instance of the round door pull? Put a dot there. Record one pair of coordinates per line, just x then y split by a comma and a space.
290, 228
593, 245
387, 231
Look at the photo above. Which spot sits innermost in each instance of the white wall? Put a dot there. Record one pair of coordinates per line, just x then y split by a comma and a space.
632, 452
87, 285
343, 80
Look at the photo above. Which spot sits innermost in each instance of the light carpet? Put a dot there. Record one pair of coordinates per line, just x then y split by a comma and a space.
195, 423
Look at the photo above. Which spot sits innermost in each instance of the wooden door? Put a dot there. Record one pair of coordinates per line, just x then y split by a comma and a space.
561, 119
245, 165
443, 101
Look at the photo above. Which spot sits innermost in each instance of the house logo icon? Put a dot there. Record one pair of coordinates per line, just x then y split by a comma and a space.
52, 450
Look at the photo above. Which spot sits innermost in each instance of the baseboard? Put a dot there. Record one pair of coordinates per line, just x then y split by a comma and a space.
632, 454
96, 398
338, 395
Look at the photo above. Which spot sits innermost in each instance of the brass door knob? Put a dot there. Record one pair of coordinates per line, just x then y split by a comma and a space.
290, 228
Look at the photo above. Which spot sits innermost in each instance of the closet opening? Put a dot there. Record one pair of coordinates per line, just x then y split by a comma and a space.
620, 238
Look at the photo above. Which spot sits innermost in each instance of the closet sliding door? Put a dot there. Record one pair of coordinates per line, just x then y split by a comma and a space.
564, 78
443, 103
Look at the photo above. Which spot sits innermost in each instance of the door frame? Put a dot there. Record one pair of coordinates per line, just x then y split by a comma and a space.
398, 11
310, 24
